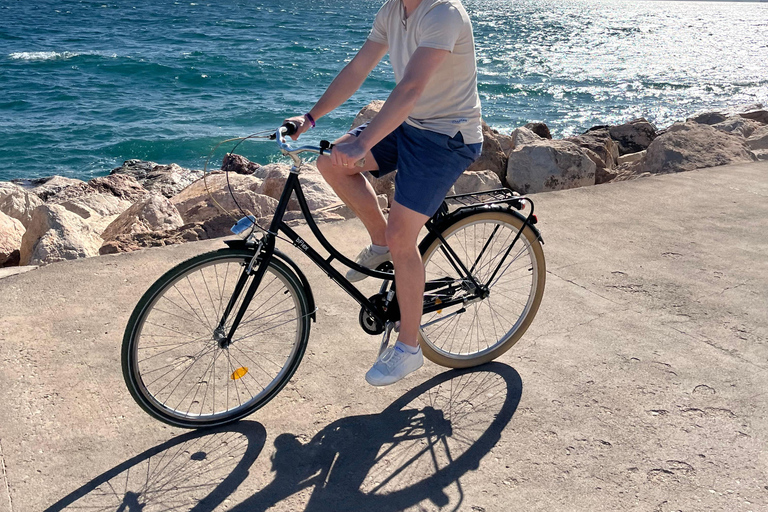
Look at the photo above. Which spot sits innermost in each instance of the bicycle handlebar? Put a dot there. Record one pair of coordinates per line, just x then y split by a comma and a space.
289, 129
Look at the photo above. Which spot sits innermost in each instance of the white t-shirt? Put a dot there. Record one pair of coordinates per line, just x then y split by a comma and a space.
450, 102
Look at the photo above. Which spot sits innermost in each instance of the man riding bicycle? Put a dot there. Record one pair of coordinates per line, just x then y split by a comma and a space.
428, 130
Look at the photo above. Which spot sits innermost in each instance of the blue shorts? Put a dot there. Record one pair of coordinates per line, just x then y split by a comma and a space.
427, 163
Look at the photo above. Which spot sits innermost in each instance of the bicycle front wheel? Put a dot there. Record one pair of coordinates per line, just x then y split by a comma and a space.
174, 363
479, 330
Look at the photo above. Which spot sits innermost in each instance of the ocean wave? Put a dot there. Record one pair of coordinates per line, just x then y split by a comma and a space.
54, 55
42, 55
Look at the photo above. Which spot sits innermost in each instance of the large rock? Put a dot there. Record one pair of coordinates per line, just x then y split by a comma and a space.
708, 118
203, 230
758, 143
520, 137
11, 233
96, 205
58, 189
136, 241
540, 129
738, 126
48, 188
631, 158
56, 234
6, 187
633, 136
688, 146
154, 213
98, 210
492, 157
476, 181
367, 113
602, 149
19, 204
758, 139
549, 165
238, 164
167, 180
759, 115
121, 186
317, 191
210, 197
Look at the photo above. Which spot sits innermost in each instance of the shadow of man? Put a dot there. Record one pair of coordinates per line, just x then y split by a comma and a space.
410, 452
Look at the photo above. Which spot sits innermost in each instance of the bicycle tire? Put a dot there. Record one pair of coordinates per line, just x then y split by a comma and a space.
482, 320
167, 317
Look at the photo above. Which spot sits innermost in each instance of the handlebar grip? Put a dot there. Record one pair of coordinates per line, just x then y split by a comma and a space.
290, 128
325, 146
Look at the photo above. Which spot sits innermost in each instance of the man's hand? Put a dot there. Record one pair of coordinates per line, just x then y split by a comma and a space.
302, 125
348, 154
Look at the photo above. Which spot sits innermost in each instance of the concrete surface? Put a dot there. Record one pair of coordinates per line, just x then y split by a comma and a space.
640, 386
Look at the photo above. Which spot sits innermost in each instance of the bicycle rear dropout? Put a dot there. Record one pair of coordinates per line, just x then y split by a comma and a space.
219, 335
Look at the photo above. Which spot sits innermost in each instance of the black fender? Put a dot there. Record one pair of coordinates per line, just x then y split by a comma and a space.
280, 255
446, 220
304, 282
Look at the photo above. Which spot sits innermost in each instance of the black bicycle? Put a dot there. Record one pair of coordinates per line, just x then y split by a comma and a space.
219, 335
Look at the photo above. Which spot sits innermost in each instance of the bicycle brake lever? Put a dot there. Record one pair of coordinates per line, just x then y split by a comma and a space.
327, 146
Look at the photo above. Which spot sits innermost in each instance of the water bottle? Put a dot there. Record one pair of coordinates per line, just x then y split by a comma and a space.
243, 224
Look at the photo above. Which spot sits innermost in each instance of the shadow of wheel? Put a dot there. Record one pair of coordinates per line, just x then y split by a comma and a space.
470, 409
196, 471
417, 449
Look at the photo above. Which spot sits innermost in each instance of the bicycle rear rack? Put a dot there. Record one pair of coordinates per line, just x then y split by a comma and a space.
495, 196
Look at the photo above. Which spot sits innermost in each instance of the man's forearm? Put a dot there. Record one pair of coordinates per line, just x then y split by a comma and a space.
350, 78
346, 83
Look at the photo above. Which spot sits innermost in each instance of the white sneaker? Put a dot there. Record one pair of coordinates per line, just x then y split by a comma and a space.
368, 259
394, 364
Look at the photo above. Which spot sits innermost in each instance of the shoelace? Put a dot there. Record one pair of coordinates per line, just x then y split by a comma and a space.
391, 357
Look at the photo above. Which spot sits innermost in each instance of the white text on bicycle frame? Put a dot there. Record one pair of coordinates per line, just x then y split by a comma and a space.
300, 243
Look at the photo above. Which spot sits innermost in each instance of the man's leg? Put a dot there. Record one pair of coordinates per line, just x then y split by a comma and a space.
405, 356
352, 187
402, 235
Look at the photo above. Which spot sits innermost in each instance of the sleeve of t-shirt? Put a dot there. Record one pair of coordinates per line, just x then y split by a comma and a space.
379, 31
440, 27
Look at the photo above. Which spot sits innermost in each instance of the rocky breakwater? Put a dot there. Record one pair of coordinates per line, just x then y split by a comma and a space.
144, 204
528, 160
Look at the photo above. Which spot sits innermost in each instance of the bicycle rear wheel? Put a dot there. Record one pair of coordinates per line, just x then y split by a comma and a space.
480, 330
172, 358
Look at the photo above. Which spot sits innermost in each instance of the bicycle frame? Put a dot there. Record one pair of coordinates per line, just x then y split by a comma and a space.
265, 249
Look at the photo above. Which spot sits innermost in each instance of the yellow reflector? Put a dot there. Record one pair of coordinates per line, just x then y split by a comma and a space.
438, 301
239, 373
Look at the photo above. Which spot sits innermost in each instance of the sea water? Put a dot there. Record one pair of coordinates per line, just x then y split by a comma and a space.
85, 85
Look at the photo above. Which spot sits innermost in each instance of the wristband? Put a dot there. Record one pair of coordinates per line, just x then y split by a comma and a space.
310, 119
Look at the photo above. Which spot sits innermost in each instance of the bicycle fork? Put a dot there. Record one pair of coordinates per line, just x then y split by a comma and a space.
264, 251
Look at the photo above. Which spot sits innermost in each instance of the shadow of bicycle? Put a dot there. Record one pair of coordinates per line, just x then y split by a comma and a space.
417, 449
196, 471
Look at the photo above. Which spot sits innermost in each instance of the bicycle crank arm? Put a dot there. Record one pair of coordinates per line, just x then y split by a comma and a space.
390, 326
